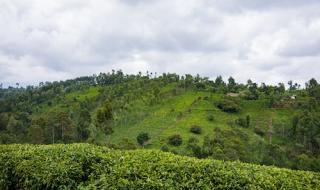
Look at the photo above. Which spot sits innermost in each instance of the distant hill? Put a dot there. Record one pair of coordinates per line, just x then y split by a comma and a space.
186, 115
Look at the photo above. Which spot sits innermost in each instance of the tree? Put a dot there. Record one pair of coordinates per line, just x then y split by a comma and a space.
3, 121
253, 92
307, 131
219, 81
188, 81
292, 86
65, 126
83, 123
303, 162
312, 84
313, 89
248, 120
15, 126
60, 127
244, 122
104, 118
142, 138
36, 134
281, 88
232, 85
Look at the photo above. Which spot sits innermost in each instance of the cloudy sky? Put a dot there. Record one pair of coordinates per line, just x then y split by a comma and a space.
265, 40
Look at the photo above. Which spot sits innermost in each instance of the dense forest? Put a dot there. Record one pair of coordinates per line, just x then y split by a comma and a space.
186, 115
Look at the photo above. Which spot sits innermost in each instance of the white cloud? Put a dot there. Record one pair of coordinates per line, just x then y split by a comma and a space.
268, 41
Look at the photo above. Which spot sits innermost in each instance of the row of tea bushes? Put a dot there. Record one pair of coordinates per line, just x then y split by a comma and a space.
84, 166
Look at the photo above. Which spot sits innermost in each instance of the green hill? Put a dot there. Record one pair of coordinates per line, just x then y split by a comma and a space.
186, 115
84, 166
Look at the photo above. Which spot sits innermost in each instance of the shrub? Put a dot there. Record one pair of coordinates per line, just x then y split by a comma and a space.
193, 140
142, 138
248, 120
126, 144
195, 129
251, 95
174, 151
200, 86
229, 105
259, 131
194, 147
243, 122
210, 118
175, 140
164, 148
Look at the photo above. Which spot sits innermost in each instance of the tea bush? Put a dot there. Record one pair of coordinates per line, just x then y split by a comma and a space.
84, 166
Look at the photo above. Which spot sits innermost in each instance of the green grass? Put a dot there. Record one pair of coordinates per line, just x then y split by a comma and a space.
174, 114
84, 94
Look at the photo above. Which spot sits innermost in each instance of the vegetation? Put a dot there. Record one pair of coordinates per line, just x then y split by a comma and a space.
175, 140
142, 138
263, 124
210, 117
229, 105
84, 166
195, 129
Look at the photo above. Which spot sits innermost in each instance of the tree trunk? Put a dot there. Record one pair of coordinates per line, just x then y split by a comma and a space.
52, 135
270, 131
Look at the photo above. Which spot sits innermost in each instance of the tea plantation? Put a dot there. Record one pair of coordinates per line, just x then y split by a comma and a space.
85, 166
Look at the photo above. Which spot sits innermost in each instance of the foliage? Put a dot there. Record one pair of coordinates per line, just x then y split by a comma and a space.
244, 122
195, 129
164, 148
210, 117
175, 140
126, 144
252, 93
83, 166
229, 105
259, 131
142, 138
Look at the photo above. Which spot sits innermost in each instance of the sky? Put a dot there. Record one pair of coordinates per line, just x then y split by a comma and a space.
265, 40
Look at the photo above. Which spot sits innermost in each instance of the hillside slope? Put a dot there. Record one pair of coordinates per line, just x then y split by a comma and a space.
184, 115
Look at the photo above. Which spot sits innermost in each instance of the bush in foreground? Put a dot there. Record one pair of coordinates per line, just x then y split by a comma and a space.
84, 166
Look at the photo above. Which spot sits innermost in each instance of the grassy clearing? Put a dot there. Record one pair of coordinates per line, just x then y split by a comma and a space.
175, 115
